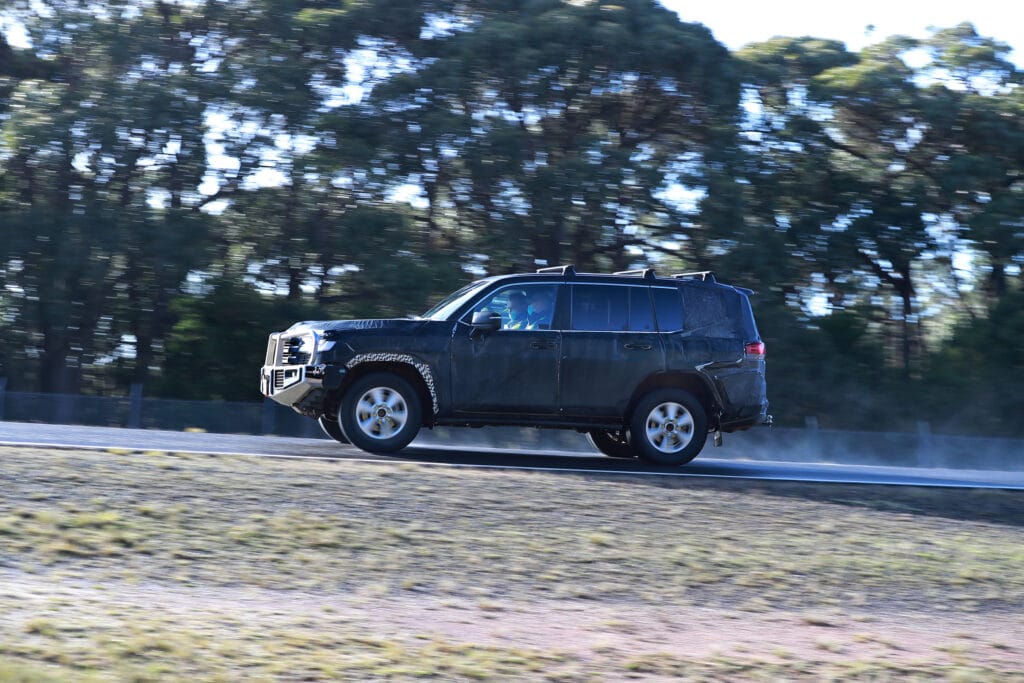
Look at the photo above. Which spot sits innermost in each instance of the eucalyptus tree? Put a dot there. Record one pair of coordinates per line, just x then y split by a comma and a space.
946, 146
976, 131
552, 132
791, 245
794, 191
15, 66
103, 154
862, 140
308, 212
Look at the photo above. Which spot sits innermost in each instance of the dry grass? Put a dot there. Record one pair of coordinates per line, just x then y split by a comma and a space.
148, 566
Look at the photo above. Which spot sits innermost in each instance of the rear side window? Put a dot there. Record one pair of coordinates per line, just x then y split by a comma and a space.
712, 311
641, 315
668, 306
602, 308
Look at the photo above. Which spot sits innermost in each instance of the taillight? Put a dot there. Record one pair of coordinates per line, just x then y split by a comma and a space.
754, 349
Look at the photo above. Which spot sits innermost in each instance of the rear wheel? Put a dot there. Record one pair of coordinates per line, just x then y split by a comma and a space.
612, 444
381, 413
669, 427
332, 428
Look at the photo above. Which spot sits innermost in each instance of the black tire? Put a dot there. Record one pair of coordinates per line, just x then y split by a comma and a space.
332, 429
612, 444
668, 427
381, 413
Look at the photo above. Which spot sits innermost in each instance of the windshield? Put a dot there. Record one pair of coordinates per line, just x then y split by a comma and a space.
454, 301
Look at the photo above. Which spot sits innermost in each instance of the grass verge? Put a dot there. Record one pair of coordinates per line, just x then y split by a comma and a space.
148, 566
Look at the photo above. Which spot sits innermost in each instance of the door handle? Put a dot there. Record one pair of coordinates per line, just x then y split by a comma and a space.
542, 345
638, 347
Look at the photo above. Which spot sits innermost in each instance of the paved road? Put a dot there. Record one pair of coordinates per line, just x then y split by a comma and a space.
25, 434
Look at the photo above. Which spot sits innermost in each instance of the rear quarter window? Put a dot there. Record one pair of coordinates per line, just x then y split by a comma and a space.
668, 307
712, 311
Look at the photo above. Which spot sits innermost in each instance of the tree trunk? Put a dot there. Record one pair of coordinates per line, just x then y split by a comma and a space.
997, 280
905, 288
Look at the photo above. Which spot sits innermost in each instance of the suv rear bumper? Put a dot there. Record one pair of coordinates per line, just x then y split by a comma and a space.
741, 424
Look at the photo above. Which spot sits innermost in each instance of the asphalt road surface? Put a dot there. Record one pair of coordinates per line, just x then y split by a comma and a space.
68, 436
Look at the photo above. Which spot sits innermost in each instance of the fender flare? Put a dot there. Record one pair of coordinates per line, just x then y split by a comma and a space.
422, 368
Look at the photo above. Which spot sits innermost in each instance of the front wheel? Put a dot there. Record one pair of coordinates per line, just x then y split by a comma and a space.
381, 413
332, 429
612, 444
669, 427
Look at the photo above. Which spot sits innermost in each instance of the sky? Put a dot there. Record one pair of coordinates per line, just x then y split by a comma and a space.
736, 24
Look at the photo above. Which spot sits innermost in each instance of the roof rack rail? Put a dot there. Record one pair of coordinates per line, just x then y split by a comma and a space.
704, 275
567, 271
645, 273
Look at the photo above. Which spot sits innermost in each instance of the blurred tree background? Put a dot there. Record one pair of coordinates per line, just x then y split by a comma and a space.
179, 178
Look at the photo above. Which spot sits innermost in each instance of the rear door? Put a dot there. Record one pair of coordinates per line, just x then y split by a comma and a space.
609, 347
720, 318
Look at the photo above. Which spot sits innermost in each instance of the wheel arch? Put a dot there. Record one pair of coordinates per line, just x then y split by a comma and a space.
691, 382
409, 368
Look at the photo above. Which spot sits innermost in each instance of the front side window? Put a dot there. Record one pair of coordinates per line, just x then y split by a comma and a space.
521, 307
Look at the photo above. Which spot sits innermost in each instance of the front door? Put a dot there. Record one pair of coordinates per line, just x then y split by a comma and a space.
513, 369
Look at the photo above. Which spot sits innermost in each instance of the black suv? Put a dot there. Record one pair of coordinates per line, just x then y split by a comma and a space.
646, 366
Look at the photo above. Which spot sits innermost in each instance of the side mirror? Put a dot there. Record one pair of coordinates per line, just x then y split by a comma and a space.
486, 321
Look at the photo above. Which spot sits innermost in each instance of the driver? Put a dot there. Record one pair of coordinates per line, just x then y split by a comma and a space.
517, 311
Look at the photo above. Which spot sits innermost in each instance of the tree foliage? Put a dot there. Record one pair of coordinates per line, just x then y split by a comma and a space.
179, 178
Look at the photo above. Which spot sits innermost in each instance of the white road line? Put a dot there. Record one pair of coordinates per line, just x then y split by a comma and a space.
527, 468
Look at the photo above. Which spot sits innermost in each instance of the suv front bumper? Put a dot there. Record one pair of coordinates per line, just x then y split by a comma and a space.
296, 386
